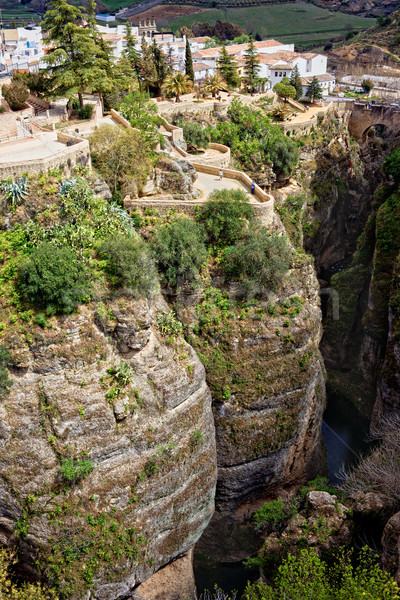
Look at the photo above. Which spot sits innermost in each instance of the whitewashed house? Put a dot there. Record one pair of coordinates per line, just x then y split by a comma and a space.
202, 71
21, 49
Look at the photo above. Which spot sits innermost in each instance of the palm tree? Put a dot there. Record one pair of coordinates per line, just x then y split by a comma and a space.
215, 83
177, 83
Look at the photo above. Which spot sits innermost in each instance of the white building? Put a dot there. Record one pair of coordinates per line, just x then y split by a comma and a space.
325, 80
202, 71
21, 48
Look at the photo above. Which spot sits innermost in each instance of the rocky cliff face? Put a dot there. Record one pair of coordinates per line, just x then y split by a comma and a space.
104, 385
266, 377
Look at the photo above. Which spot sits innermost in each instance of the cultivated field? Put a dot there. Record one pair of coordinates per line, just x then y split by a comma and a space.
304, 24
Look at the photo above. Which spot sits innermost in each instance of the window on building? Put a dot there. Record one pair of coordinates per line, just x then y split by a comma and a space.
276, 73
280, 74
308, 66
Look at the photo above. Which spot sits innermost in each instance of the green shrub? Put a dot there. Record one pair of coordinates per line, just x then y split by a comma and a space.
196, 136
75, 470
391, 165
54, 279
5, 361
308, 576
168, 324
86, 112
180, 251
225, 216
129, 264
258, 261
16, 94
270, 514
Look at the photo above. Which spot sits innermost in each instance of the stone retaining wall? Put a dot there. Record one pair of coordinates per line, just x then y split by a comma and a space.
8, 126
176, 132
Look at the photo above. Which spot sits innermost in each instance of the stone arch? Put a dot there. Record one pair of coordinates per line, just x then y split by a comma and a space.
378, 129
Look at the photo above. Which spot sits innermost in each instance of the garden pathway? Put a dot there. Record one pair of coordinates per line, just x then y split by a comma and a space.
208, 183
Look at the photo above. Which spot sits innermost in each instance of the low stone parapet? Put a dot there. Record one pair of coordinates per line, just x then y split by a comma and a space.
67, 158
263, 211
259, 194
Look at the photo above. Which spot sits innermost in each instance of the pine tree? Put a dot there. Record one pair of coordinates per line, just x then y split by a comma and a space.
75, 64
188, 61
103, 76
295, 81
130, 51
227, 68
251, 65
314, 90
13, 25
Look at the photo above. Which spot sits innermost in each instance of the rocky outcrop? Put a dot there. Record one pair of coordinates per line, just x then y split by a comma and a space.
105, 386
174, 581
323, 524
176, 177
391, 546
266, 376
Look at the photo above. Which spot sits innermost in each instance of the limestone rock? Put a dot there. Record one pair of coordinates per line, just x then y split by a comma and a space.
102, 190
175, 177
150, 441
391, 546
173, 582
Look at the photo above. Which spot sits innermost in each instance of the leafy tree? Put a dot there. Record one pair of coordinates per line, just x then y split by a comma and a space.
180, 251
178, 84
285, 90
120, 155
129, 264
225, 216
74, 63
16, 94
259, 261
251, 65
214, 83
255, 142
189, 61
314, 90
5, 362
295, 81
307, 576
196, 136
141, 113
54, 279
367, 85
227, 68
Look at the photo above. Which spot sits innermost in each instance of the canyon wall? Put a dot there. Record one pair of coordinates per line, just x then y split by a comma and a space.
149, 437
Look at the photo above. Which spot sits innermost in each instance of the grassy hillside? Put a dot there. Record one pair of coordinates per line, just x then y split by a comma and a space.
304, 24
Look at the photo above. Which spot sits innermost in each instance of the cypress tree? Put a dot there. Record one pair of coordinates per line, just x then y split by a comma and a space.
188, 61
159, 64
251, 65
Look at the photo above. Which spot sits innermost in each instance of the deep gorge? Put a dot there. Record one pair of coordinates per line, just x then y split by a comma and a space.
190, 392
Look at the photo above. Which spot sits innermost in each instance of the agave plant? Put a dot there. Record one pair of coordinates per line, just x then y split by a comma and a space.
15, 191
68, 185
